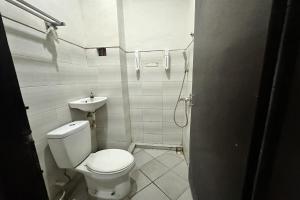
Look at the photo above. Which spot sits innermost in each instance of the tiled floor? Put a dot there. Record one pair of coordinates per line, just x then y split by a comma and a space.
159, 175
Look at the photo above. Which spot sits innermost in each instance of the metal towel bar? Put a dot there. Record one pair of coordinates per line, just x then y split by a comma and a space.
49, 20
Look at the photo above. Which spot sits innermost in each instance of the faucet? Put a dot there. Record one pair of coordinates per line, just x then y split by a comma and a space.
92, 95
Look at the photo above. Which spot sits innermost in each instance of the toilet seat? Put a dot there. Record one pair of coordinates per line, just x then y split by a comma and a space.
110, 161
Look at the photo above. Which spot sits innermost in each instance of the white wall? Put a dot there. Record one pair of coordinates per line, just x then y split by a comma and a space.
50, 74
112, 120
132, 24
47, 86
155, 24
105, 27
67, 11
158, 24
101, 22
153, 95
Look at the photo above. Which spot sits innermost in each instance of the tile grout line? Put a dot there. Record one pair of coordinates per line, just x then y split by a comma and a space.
169, 169
183, 192
142, 187
162, 191
152, 182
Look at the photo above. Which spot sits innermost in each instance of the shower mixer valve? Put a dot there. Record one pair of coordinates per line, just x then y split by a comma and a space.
188, 99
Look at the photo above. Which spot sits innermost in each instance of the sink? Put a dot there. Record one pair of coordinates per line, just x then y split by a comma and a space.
88, 104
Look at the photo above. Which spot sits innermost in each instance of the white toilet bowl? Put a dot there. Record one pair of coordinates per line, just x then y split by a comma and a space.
106, 172
109, 180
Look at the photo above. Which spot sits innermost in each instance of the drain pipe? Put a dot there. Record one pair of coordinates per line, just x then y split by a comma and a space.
91, 116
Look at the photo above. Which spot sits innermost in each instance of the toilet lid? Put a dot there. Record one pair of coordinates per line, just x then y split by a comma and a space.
109, 161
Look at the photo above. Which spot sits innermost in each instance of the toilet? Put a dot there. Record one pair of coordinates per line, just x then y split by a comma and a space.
106, 172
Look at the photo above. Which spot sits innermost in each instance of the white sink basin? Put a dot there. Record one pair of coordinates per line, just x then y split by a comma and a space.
88, 104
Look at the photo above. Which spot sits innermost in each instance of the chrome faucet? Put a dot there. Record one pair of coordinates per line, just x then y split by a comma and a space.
188, 99
92, 95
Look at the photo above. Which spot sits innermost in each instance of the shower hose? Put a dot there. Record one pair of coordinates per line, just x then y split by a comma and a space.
185, 104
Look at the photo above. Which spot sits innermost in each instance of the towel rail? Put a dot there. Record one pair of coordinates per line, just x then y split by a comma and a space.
49, 20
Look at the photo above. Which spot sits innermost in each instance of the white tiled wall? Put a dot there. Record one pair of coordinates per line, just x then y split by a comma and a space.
112, 120
153, 94
158, 24
50, 75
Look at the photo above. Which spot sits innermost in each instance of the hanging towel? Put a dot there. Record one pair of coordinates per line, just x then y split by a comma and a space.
167, 60
137, 59
51, 33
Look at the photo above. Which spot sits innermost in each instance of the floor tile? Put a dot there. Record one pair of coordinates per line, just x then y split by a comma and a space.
187, 195
181, 170
169, 159
136, 150
80, 191
142, 158
155, 152
154, 169
172, 185
139, 181
151, 192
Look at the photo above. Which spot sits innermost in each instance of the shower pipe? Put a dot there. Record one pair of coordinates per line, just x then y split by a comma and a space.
187, 100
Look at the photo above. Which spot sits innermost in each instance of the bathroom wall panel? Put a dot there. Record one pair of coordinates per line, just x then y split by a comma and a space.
109, 89
98, 16
74, 30
152, 115
168, 115
137, 130
153, 93
45, 72
42, 123
153, 138
173, 139
113, 123
50, 74
160, 31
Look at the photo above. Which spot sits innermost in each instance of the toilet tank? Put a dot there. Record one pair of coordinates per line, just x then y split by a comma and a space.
70, 144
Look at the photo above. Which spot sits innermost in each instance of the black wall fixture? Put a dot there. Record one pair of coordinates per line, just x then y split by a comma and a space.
101, 51
20, 173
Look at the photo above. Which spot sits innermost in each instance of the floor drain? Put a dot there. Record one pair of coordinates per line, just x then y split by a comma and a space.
178, 149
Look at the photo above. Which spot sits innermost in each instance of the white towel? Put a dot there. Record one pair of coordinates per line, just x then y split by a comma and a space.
167, 60
51, 33
137, 58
